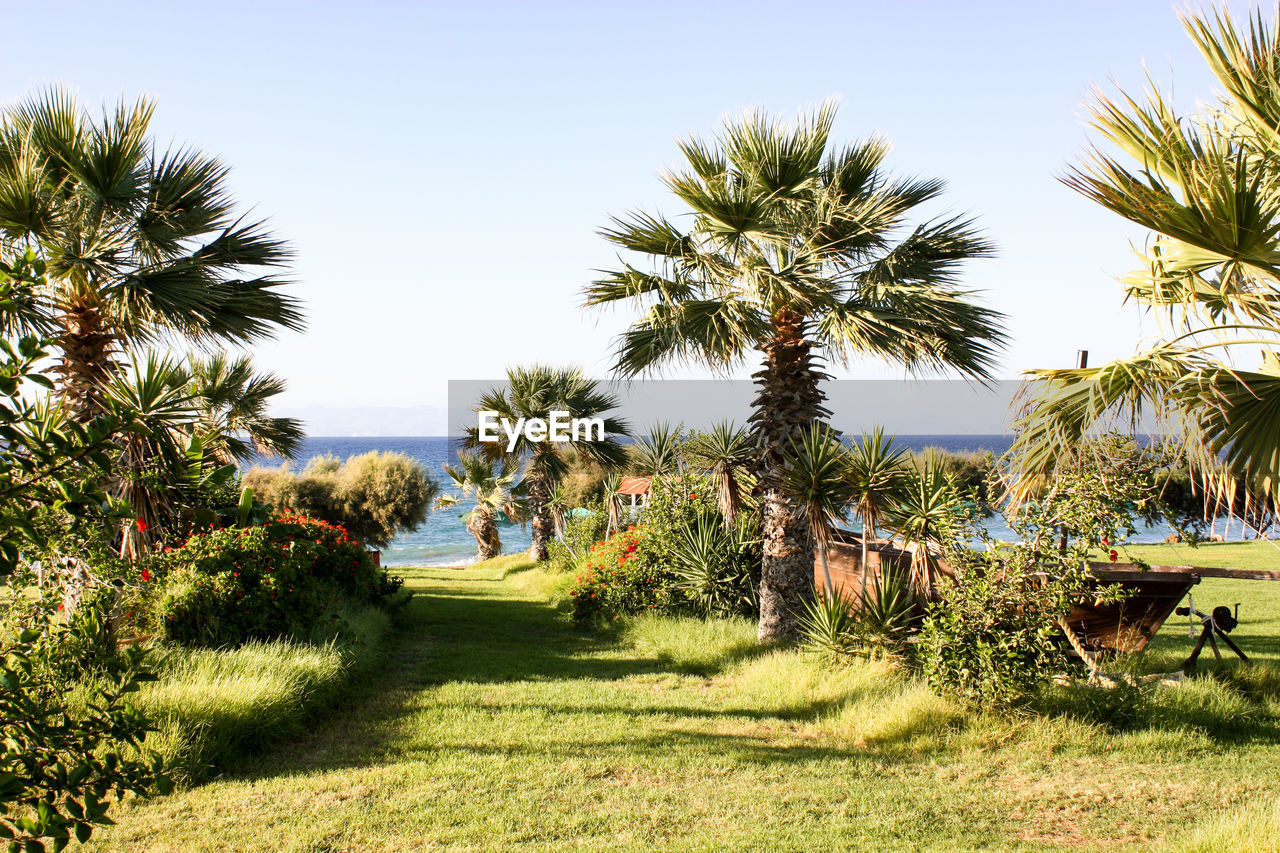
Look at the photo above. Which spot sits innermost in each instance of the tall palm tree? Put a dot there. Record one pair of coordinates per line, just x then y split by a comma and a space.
232, 402
1207, 184
490, 487
815, 476
535, 392
876, 474
142, 243
726, 451
797, 253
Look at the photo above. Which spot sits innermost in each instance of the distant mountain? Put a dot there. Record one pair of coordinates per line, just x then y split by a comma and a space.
370, 420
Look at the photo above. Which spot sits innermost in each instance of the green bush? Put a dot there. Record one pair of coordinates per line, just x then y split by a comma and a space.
679, 558
374, 495
273, 580
580, 533
990, 639
61, 759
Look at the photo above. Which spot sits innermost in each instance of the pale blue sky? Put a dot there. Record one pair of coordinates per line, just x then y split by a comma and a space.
442, 169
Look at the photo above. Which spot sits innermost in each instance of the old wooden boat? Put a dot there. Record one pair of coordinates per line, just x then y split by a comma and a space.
1152, 594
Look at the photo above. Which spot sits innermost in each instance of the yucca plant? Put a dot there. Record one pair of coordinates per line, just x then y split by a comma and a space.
659, 452
714, 564
815, 477
1207, 185
876, 474
798, 251
887, 611
924, 515
828, 627
726, 452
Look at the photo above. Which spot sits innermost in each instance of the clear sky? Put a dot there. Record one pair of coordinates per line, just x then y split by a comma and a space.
442, 168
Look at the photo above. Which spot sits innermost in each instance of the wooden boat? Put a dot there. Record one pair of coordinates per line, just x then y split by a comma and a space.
1093, 628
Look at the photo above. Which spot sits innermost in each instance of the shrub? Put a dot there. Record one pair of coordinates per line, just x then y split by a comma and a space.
990, 639
580, 533
620, 577
374, 495
273, 580
61, 765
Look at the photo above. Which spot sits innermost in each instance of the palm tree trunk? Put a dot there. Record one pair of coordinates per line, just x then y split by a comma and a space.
866, 535
787, 401
86, 362
828, 587
540, 520
488, 543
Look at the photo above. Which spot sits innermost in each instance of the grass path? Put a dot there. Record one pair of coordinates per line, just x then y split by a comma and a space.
495, 725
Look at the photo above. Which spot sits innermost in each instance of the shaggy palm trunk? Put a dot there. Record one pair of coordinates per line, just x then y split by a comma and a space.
87, 359
788, 400
542, 528
84, 367
482, 526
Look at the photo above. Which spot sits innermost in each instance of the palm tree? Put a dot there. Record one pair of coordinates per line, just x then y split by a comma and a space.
141, 243
924, 515
491, 487
815, 476
232, 400
876, 474
797, 253
1206, 185
536, 392
726, 452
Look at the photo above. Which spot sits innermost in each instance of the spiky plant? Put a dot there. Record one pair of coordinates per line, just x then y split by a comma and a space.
815, 478
487, 487
142, 243
1207, 185
232, 400
924, 515
153, 464
726, 452
798, 253
611, 493
876, 474
659, 452
536, 391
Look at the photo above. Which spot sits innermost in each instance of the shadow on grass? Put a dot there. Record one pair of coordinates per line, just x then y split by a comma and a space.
457, 635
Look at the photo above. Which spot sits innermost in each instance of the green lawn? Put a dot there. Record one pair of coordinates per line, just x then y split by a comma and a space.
497, 725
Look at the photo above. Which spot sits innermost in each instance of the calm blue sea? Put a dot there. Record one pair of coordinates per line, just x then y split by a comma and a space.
443, 541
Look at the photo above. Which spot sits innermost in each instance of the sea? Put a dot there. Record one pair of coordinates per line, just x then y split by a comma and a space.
444, 541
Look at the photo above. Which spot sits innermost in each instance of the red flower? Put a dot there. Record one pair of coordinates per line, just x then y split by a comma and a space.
146, 576
60, 606
142, 525
1114, 555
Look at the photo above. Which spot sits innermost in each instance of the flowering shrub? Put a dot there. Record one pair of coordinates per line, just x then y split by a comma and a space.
230, 585
622, 576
